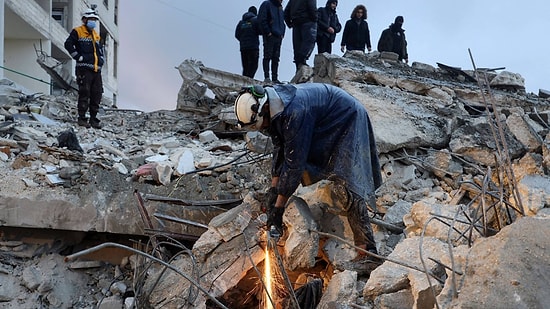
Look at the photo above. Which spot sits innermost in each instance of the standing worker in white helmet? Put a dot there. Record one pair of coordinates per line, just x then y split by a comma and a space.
83, 44
319, 131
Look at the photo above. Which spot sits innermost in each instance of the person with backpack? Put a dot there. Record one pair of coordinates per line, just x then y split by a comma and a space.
247, 33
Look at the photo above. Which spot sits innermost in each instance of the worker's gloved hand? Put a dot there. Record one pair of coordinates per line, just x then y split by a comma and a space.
275, 218
270, 199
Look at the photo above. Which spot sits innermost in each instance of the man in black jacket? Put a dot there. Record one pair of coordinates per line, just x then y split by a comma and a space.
248, 32
301, 16
327, 26
83, 44
393, 39
356, 34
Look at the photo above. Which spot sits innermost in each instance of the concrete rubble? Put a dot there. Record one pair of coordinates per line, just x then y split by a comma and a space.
461, 219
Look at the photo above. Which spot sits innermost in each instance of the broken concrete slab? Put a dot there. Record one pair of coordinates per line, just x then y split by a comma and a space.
389, 277
544, 93
485, 281
475, 141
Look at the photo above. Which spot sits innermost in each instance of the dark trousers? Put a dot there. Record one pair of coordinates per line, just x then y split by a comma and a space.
90, 90
272, 53
324, 45
359, 221
303, 41
354, 207
249, 60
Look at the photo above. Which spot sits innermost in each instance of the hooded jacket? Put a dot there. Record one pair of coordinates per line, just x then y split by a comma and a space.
393, 39
327, 17
248, 31
85, 43
326, 132
356, 34
299, 12
271, 18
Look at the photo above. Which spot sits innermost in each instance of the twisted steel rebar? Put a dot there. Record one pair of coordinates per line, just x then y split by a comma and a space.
72, 257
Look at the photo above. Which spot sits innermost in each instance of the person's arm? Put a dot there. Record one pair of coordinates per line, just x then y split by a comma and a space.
322, 21
237, 32
369, 46
70, 45
281, 199
405, 53
286, 14
296, 127
312, 10
337, 25
263, 19
256, 26
344, 37
381, 42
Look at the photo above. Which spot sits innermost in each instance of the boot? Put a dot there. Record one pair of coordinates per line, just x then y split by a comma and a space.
362, 264
83, 122
94, 122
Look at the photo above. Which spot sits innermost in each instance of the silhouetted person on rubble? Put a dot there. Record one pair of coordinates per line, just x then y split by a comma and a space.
356, 35
272, 24
319, 131
393, 40
328, 26
248, 34
301, 17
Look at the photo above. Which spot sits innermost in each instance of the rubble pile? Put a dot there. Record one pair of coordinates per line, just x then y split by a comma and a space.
461, 218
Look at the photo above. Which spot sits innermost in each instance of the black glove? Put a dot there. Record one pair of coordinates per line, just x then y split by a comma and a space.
275, 218
270, 199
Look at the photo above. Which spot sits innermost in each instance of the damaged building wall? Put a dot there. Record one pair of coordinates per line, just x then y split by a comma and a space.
31, 31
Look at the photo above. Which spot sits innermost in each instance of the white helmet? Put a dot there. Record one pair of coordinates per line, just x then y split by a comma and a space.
248, 107
90, 13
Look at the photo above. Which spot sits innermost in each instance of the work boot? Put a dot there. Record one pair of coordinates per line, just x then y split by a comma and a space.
83, 122
94, 122
362, 264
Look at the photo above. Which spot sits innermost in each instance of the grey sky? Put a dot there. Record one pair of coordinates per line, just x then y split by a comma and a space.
157, 35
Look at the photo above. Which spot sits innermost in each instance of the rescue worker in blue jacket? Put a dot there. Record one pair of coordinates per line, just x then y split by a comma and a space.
83, 44
319, 131
247, 33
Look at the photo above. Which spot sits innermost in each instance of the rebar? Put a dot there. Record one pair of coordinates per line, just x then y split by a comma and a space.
72, 257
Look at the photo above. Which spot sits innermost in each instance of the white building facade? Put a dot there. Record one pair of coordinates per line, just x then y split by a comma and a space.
31, 27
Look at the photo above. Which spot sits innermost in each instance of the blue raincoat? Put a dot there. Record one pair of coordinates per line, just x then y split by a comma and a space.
323, 132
